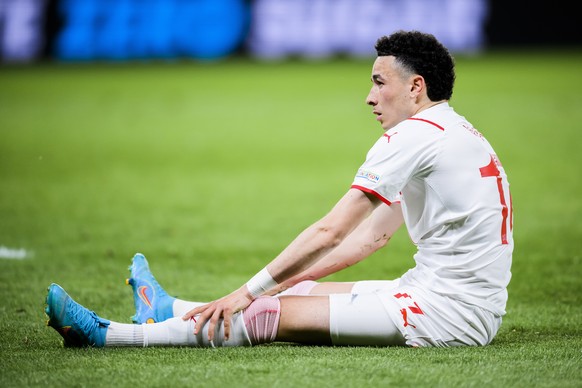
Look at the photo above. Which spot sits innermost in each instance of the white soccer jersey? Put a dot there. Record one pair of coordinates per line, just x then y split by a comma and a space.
456, 204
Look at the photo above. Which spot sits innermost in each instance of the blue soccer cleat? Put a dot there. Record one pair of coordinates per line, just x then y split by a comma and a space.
78, 326
152, 303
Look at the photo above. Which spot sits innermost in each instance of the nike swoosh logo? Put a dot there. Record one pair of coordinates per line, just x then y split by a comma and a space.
141, 292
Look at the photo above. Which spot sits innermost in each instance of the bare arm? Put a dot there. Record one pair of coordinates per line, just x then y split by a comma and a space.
371, 235
326, 236
312, 244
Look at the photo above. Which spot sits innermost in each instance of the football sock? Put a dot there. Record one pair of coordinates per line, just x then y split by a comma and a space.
256, 325
177, 332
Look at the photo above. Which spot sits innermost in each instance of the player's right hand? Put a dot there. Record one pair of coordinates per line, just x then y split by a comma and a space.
222, 308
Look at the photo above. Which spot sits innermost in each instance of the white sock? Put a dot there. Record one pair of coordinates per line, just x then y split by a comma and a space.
124, 334
177, 332
181, 307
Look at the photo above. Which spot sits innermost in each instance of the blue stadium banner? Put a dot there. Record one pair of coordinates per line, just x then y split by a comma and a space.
214, 29
143, 29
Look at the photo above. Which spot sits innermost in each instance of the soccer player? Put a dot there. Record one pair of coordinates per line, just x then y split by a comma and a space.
431, 170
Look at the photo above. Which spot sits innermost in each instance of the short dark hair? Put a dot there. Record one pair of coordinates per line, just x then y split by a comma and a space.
423, 54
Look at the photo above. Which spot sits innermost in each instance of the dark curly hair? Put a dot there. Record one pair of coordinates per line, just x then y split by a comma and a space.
422, 54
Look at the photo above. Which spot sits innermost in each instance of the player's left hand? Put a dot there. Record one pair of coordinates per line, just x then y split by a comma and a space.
222, 308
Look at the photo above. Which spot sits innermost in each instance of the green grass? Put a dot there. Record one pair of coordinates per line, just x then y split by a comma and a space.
211, 169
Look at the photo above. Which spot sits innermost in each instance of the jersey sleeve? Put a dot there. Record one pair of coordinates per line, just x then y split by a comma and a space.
403, 152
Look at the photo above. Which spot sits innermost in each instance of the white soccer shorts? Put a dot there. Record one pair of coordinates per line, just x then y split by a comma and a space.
383, 313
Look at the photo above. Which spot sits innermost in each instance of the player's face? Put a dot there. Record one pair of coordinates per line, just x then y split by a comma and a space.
390, 95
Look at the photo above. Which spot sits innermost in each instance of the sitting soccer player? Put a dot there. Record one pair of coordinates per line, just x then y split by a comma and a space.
431, 170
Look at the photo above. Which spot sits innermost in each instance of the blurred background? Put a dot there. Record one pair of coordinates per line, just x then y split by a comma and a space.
131, 30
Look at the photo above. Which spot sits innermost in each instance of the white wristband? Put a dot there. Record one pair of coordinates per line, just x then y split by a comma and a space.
261, 283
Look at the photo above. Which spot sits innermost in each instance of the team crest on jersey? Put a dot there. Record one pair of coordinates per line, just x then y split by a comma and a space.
368, 175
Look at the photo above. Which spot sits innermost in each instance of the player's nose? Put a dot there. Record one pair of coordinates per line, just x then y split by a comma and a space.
371, 99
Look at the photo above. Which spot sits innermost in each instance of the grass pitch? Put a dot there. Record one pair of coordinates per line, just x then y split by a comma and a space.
211, 169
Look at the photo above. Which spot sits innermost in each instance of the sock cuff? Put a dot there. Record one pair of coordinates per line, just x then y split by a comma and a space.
123, 334
261, 319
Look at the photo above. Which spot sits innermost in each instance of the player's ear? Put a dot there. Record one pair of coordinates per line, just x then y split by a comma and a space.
417, 84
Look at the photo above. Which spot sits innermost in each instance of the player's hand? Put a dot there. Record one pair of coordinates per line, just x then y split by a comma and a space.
222, 308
